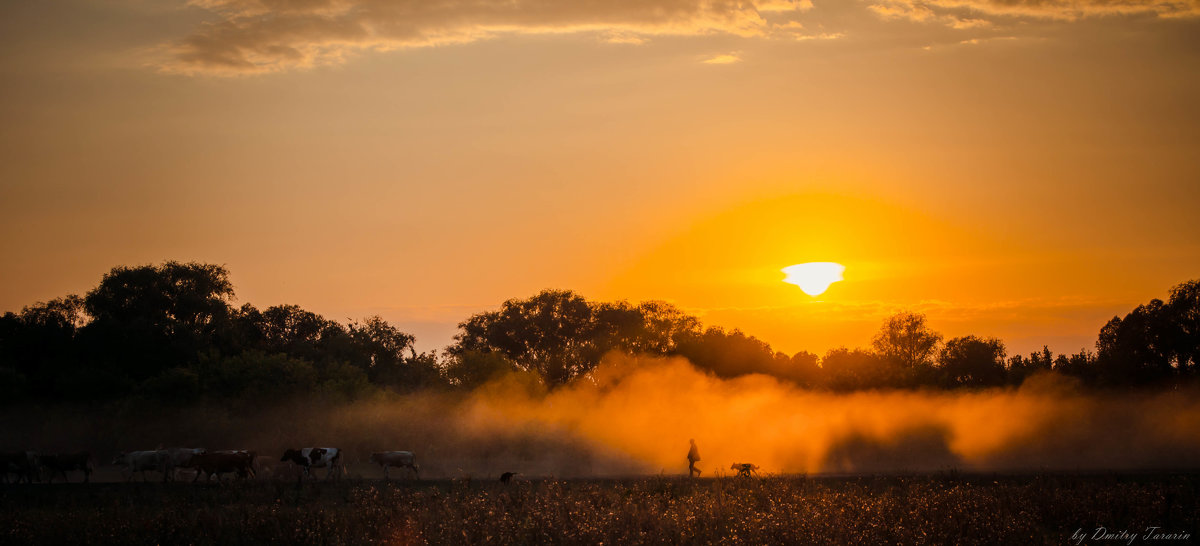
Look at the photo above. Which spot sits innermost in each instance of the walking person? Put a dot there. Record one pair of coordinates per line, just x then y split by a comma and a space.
693, 456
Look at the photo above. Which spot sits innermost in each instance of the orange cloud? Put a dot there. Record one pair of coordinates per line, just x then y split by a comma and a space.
957, 13
256, 36
262, 36
727, 58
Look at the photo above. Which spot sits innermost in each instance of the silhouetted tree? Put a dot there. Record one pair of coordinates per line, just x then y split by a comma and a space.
972, 361
1020, 368
147, 319
1081, 365
801, 368
1136, 349
292, 330
649, 328
562, 336
727, 354
382, 349
550, 333
907, 340
174, 298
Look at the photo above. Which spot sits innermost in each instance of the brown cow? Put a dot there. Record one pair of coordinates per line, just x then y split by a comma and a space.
69, 462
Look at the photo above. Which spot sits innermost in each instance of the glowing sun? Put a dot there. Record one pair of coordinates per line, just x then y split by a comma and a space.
814, 278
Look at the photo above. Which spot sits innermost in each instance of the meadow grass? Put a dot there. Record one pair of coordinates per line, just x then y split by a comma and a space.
929, 509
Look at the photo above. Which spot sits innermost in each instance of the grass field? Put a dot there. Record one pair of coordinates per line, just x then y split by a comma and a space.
931, 509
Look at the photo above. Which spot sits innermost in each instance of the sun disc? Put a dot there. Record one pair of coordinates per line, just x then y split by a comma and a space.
813, 278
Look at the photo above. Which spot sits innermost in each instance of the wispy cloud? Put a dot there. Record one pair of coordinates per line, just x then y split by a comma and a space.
970, 13
725, 58
257, 36
263, 36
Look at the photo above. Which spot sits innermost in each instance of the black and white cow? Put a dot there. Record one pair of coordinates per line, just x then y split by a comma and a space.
315, 457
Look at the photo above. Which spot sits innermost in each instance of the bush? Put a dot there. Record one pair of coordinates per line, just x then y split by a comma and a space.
258, 373
343, 381
13, 385
471, 369
174, 385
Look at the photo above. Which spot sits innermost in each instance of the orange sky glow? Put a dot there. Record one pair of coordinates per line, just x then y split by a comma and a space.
1018, 170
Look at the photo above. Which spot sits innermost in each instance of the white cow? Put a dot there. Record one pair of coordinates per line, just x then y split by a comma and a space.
318, 457
399, 459
141, 461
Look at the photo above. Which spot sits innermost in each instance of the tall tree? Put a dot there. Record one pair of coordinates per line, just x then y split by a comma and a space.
174, 297
382, 350
551, 333
561, 336
149, 318
907, 340
1135, 349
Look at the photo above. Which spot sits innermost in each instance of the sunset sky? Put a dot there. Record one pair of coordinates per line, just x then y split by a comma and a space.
1024, 170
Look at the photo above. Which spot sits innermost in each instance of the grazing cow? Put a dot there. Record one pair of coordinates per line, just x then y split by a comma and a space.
21, 465
398, 459
70, 462
141, 461
318, 457
223, 462
744, 469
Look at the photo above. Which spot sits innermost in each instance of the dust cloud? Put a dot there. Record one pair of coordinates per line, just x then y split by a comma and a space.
634, 416
647, 409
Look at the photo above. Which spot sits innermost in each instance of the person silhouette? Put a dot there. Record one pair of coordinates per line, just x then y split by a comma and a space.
693, 456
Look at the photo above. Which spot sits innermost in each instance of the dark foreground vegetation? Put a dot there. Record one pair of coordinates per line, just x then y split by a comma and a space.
169, 334
938, 509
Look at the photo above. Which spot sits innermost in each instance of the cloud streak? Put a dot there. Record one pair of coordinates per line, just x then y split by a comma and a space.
264, 36
726, 58
259, 36
972, 13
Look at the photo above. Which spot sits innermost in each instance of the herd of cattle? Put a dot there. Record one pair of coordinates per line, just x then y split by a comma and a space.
180, 463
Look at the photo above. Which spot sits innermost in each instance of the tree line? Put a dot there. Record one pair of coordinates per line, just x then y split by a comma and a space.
170, 332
